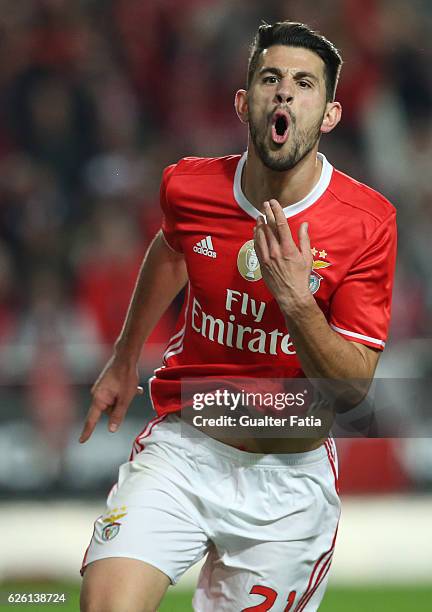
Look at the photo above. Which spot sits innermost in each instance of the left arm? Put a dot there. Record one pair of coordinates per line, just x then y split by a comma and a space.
285, 268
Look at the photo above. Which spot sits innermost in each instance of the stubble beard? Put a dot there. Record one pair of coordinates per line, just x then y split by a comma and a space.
302, 143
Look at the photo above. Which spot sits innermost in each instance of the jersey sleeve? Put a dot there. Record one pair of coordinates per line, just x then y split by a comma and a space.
360, 308
169, 229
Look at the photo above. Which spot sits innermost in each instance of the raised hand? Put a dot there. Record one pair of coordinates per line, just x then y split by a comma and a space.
112, 393
284, 267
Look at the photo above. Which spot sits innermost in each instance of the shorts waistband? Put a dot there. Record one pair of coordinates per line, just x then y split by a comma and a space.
246, 458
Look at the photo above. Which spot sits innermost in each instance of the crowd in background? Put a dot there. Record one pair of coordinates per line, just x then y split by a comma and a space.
98, 96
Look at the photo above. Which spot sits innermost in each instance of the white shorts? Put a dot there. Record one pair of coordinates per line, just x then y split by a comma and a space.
267, 523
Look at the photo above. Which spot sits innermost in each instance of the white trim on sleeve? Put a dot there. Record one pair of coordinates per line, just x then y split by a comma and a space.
356, 335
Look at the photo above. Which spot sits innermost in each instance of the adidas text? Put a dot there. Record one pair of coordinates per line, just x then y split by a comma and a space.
205, 247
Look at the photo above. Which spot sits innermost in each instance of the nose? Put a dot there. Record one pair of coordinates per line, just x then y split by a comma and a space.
284, 93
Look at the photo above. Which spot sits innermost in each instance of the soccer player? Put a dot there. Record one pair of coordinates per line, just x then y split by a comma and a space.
289, 266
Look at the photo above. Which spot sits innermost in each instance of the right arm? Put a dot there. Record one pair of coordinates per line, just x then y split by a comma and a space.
162, 275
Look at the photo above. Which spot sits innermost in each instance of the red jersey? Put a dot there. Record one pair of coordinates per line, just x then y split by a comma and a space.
230, 324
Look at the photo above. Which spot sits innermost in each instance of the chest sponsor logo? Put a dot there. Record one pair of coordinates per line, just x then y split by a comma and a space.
228, 329
318, 264
205, 247
247, 262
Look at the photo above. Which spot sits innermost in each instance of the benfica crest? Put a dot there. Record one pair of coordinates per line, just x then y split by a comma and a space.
315, 278
113, 527
110, 531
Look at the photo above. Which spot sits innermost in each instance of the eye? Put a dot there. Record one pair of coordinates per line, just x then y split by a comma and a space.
304, 84
271, 80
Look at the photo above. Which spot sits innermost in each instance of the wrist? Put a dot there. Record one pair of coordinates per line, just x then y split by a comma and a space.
298, 308
124, 353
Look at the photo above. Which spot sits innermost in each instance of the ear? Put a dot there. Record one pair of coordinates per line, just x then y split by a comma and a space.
241, 105
332, 117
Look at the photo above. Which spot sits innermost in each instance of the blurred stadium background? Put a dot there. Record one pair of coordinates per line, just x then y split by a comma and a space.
96, 98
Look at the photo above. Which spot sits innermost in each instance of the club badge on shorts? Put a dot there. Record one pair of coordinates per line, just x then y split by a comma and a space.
110, 530
247, 262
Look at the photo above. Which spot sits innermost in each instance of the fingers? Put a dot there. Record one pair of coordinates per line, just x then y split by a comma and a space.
304, 241
116, 416
270, 218
97, 407
278, 223
118, 411
267, 235
115, 409
283, 229
261, 246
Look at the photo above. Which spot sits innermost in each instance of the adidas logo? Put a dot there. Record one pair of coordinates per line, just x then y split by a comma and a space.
205, 247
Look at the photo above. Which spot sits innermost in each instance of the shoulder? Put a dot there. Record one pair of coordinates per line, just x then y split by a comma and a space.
359, 199
202, 166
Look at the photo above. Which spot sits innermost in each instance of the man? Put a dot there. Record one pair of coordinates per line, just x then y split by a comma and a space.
266, 511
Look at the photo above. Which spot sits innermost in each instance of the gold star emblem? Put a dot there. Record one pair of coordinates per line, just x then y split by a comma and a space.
314, 251
322, 253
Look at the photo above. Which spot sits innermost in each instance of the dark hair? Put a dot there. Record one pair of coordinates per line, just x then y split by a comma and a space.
294, 34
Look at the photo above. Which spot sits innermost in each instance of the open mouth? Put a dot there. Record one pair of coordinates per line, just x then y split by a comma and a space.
280, 125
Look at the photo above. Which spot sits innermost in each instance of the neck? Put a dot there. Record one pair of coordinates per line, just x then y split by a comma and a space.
260, 184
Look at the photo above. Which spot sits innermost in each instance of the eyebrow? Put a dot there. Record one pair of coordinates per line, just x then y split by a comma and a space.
301, 74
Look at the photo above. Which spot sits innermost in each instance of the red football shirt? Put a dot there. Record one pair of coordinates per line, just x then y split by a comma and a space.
230, 324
